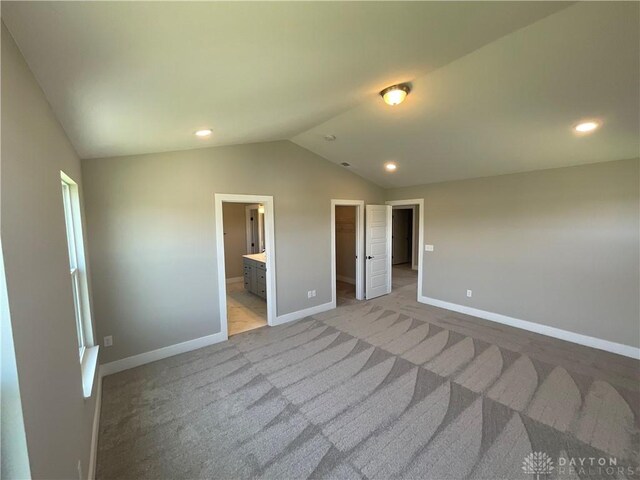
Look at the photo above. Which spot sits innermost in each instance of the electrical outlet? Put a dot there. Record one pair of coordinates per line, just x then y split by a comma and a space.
311, 293
108, 341
428, 248
469, 293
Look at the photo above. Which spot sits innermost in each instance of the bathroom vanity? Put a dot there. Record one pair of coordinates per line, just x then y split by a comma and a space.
255, 274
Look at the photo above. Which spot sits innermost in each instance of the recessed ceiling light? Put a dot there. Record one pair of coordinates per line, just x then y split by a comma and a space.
329, 138
395, 94
587, 127
203, 133
390, 167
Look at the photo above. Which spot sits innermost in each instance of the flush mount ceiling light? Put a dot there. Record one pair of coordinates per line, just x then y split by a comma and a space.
203, 133
395, 94
330, 138
390, 167
587, 127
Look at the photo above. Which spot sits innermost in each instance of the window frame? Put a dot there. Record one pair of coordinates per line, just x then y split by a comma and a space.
72, 240
87, 349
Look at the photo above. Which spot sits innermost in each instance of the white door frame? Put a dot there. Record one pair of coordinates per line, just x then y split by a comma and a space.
269, 231
416, 248
359, 204
420, 203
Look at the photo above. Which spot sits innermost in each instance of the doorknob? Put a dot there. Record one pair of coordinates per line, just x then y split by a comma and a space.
369, 257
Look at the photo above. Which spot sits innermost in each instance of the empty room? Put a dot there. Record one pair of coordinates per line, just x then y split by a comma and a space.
324, 240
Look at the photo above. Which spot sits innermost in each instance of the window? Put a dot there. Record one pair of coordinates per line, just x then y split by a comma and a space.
77, 270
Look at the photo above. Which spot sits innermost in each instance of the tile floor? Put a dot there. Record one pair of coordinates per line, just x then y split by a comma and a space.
245, 311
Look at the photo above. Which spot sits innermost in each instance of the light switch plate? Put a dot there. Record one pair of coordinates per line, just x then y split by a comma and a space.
428, 248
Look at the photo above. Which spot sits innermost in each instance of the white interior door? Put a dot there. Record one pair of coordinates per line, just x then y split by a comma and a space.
378, 250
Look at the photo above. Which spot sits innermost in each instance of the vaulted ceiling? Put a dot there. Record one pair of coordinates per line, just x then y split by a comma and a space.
497, 86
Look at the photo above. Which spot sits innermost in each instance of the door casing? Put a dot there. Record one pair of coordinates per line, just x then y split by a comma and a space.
359, 204
419, 225
270, 251
402, 251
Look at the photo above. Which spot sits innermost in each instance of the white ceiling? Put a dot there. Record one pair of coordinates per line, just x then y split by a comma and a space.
507, 107
489, 96
139, 77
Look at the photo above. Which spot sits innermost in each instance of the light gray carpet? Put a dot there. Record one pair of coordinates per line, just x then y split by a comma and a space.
383, 389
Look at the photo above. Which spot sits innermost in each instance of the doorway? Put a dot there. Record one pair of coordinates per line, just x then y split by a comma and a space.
254, 215
406, 239
245, 252
402, 218
347, 251
345, 254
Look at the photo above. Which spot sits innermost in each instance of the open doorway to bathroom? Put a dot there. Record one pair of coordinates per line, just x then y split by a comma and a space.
245, 262
245, 266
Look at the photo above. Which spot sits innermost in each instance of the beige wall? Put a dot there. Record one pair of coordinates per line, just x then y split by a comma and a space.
556, 247
13, 441
151, 226
346, 243
58, 420
235, 238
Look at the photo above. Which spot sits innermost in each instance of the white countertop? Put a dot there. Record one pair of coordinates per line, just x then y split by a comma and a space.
258, 257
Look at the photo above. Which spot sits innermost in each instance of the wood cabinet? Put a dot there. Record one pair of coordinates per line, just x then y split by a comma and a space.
255, 277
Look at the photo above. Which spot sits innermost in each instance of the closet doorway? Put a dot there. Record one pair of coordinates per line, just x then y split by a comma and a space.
347, 251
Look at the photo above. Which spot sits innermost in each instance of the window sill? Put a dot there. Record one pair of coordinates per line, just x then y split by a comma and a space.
89, 365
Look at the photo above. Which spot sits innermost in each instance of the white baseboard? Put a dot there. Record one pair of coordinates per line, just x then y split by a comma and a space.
165, 352
171, 350
234, 280
344, 279
93, 455
160, 353
600, 344
290, 317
